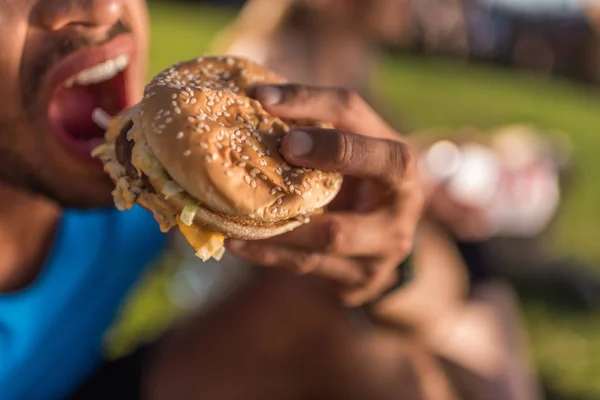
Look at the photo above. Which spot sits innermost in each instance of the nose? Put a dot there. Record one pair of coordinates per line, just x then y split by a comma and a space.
55, 15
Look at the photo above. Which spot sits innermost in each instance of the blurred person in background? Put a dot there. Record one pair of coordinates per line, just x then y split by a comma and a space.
486, 237
69, 258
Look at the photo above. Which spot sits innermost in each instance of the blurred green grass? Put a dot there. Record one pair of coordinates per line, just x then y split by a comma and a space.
436, 93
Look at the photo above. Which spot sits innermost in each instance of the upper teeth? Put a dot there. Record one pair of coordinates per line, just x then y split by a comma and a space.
100, 73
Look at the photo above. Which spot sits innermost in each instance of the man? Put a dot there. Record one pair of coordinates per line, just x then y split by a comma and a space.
68, 257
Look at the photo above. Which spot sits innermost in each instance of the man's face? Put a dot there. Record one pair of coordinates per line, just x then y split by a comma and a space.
53, 77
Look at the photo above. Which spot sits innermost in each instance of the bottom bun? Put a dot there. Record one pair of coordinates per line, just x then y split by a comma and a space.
230, 226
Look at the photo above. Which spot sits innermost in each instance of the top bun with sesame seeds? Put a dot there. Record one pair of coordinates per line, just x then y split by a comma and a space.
200, 153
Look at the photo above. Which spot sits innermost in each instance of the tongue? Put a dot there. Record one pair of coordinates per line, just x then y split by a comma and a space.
71, 110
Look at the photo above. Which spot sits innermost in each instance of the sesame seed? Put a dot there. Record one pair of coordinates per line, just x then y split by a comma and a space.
253, 184
244, 157
219, 145
187, 153
179, 135
208, 158
242, 164
275, 209
279, 200
263, 177
228, 173
247, 179
273, 192
214, 156
299, 193
204, 145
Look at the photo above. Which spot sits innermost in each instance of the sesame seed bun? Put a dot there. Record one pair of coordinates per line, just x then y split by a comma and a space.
198, 139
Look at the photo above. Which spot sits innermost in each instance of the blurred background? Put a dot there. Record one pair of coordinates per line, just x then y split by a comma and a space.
446, 66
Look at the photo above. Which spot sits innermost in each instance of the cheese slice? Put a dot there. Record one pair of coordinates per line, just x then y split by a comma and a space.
206, 243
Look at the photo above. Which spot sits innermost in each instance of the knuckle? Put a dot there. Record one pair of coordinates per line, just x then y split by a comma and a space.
306, 263
292, 92
402, 160
334, 239
348, 101
402, 242
405, 245
343, 153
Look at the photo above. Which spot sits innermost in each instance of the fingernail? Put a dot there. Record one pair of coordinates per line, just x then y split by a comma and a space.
269, 95
300, 143
236, 245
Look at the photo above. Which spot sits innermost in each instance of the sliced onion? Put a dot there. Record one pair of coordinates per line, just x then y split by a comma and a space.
188, 213
171, 188
102, 150
219, 253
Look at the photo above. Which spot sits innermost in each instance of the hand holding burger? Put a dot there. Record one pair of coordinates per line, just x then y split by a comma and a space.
369, 228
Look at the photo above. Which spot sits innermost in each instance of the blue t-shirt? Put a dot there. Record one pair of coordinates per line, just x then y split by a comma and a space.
51, 332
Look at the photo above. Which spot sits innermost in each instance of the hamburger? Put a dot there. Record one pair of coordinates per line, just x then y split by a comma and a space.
202, 155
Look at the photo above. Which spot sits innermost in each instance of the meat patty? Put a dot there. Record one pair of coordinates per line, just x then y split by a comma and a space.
123, 151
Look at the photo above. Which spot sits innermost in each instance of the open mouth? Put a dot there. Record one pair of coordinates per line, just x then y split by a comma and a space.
73, 101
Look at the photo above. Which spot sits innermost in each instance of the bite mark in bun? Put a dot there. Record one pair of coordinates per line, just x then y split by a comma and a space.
202, 155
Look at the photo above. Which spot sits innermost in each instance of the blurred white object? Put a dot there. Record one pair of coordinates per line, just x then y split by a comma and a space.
475, 181
514, 181
442, 160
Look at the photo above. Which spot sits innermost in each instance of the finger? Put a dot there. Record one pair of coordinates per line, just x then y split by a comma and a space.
343, 108
380, 276
341, 270
341, 234
386, 161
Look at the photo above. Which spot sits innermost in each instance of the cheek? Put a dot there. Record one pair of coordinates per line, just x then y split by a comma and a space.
12, 26
137, 15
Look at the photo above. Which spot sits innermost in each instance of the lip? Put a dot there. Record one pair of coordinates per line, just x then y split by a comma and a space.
87, 58
71, 66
